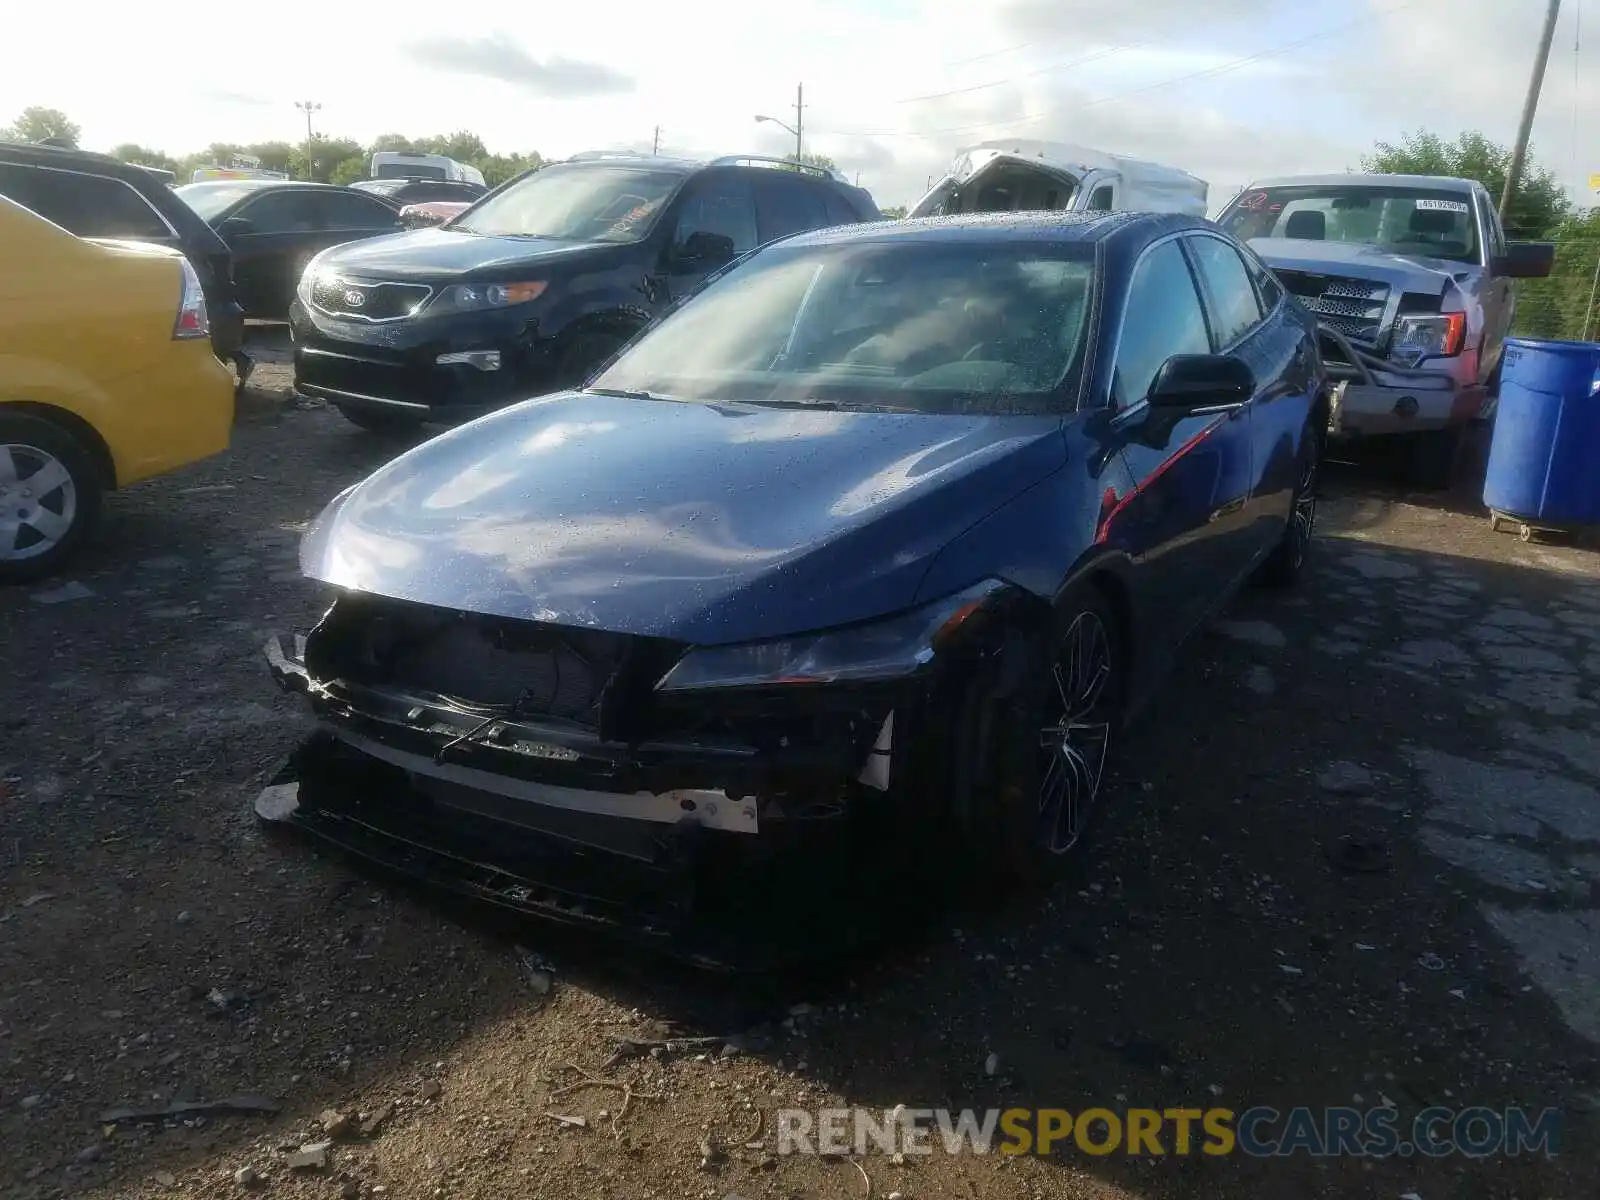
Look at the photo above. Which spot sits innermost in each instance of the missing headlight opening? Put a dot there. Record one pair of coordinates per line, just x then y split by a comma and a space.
484, 731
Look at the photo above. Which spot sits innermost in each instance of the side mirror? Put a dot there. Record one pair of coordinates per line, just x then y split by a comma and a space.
1526, 260
705, 249
1191, 381
234, 226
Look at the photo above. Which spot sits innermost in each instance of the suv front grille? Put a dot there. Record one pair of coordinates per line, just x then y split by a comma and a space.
368, 301
1353, 307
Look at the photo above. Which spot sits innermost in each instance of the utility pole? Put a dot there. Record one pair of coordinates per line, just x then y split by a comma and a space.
1530, 106
655, 147
800, 122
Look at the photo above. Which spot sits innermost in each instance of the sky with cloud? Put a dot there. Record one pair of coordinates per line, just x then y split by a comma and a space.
1226, 89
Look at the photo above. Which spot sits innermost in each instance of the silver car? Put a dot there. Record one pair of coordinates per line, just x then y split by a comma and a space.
1409, 277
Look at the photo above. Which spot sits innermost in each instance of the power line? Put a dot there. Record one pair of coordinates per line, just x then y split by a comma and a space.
1207, 73
1095, 56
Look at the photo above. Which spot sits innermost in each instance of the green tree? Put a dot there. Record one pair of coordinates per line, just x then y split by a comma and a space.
36, 123
328, 155
813, 160
462, 145
1538, 204
130, 152
392, 142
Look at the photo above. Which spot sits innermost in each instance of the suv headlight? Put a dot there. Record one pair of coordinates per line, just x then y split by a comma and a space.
473, 297
1432, 335
306, 282
883, 650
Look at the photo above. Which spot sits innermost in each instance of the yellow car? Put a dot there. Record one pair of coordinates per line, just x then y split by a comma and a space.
107, 377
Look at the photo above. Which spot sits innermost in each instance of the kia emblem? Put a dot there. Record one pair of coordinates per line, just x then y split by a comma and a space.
354, 298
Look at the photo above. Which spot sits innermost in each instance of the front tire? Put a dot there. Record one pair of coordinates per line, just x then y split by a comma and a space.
587, 353
1052, 740
50, 497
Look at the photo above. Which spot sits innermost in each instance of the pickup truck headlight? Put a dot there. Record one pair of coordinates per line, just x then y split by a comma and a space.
474, 297
1442, 334
876, 651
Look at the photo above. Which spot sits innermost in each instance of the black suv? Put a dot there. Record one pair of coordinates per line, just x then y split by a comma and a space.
97, 196
539, 282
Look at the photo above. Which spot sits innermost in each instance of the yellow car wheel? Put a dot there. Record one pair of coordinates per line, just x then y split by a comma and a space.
50, 493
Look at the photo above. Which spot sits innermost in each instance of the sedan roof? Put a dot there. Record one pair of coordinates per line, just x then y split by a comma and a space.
1076, 227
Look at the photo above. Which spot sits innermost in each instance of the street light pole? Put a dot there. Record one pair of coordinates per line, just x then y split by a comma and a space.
799, 121
308, 107
1529, 107
798, 128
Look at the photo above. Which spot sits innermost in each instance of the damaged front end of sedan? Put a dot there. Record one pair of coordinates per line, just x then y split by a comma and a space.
666, 791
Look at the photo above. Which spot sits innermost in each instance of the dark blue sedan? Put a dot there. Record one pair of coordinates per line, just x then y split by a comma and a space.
890, 527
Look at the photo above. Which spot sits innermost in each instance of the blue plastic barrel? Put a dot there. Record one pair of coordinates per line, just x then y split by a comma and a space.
1544, 456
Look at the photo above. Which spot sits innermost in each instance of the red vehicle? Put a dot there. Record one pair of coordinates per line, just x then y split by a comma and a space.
432, 212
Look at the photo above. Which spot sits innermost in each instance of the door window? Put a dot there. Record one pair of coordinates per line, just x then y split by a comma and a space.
787, 206
87, 205
1231, 297
1163, 317
1101, 199
839, 210
279, 212
1267, 285
720, 206
1497, 233
350, 210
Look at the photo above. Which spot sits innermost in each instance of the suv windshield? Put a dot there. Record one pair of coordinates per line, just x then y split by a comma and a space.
576, 202
918, 327
1401, 220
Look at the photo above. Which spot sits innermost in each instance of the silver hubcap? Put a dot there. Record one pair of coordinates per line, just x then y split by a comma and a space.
1075, 744
38, 501
1305, 508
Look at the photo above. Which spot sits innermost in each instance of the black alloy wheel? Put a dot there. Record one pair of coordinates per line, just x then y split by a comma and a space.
1051, 742
1286, 562
1077, 734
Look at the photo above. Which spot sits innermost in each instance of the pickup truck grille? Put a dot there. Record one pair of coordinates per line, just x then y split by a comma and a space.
1353, 307
368, 301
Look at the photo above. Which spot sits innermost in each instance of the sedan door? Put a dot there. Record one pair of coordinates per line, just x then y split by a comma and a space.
1185, 519
267, 234
1281, 357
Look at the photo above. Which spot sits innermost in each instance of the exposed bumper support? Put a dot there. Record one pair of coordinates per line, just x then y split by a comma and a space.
692, 870
1373, 396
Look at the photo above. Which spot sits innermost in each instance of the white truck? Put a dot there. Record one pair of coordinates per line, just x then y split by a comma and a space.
399, 164
1015, 176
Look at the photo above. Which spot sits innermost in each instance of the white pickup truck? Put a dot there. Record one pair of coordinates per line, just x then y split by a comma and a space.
1410, 279
1014, 176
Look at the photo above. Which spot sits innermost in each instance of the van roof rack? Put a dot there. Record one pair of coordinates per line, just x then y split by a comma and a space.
768, 160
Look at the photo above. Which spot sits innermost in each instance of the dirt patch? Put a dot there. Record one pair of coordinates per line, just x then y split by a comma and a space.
1349, 859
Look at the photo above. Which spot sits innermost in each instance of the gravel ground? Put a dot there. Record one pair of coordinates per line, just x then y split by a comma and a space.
1430, 695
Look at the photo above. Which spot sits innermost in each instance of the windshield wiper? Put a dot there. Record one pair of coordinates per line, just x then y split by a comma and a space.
625, 393
833, 406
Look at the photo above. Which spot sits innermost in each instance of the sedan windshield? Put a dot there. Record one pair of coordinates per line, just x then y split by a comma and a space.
577, 202
1401, 220
210, 199
900, 325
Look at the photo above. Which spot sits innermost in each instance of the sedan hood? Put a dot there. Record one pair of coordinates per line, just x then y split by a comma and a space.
432, 254
1404, 272
695, 522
